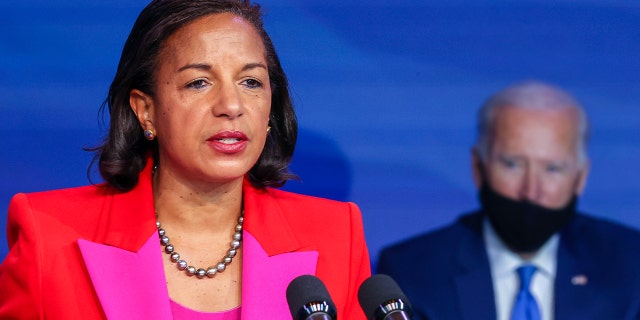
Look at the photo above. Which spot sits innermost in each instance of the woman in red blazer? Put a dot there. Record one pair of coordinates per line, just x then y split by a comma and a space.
187, 224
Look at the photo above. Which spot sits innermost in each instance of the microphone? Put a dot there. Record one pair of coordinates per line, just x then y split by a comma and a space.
309, 299
382, 299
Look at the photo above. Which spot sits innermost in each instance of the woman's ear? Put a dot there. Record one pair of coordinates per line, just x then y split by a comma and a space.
142, 105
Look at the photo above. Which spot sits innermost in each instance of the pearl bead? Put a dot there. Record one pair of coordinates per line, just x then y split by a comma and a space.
200, 272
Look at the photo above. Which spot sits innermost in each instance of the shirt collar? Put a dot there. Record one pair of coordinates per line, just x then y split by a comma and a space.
504, 261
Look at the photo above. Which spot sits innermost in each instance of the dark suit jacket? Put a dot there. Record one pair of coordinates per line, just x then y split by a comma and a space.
446, 274
93, 253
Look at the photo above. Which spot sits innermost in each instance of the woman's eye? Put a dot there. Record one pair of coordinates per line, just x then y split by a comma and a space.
252, 83
197, 84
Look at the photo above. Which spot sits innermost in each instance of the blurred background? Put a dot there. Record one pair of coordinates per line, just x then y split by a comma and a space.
386, 93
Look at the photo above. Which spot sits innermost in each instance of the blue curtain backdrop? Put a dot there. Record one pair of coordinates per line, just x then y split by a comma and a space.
386, 93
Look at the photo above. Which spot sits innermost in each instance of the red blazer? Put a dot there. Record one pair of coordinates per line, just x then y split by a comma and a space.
93, 253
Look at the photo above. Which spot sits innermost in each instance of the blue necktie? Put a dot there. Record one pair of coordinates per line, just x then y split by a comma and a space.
525, 307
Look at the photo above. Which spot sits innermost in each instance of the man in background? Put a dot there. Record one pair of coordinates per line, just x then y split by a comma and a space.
527, 253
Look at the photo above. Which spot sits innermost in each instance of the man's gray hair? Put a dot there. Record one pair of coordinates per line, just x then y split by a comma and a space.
529, 95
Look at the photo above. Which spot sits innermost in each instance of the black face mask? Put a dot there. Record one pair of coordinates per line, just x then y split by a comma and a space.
523, 226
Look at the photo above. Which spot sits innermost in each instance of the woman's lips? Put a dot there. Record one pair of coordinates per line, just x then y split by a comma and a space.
228, 142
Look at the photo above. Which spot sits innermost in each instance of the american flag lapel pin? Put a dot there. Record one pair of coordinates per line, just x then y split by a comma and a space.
579, 280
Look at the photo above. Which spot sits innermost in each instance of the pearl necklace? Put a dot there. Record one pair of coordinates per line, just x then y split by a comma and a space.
201, 272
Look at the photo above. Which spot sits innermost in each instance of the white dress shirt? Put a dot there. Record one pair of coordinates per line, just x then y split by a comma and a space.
506, 283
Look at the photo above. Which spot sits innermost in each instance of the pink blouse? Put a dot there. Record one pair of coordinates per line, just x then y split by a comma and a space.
181, 312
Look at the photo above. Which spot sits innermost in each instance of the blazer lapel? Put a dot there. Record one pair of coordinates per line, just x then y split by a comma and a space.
574, 279
129, 285
265, 278
473, 283
272, 257
124, 259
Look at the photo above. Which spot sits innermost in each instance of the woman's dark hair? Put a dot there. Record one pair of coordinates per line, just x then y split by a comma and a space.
122, 155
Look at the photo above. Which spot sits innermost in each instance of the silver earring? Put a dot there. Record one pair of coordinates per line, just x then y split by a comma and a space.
268, 129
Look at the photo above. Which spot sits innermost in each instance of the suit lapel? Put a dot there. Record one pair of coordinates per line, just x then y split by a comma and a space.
124, 258
270, 260
473, 283
265, 278
129, 285
575, 277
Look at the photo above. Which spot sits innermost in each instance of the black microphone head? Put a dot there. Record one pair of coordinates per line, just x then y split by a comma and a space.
380, 295
307, 295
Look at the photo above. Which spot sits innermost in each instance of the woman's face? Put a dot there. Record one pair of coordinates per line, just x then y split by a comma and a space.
212, 102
